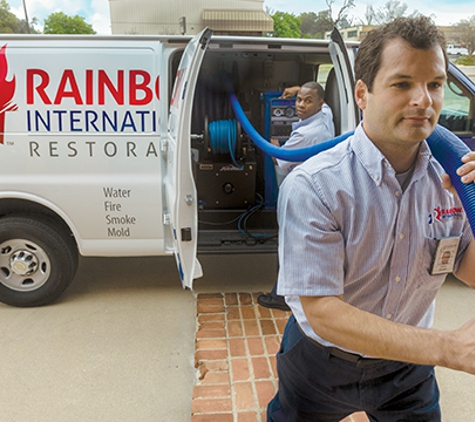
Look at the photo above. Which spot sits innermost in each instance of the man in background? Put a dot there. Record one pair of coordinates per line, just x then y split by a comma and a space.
315, 126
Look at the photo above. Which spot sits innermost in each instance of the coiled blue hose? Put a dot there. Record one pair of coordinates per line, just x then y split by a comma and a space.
446, 147
223, 138
222, 134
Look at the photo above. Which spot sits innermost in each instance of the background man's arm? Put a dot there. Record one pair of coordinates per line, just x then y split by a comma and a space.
290, 92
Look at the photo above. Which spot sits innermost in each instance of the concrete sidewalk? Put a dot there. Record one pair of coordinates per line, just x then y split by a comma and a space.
455, 306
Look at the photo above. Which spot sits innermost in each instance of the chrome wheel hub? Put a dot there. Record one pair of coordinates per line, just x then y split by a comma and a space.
24, 265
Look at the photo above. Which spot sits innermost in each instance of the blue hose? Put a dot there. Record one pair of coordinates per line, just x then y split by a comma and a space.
446, 147
448, 150
222, 134
294, 155
223, 138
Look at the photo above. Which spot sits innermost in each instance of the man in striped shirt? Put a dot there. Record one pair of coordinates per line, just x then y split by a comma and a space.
360, 231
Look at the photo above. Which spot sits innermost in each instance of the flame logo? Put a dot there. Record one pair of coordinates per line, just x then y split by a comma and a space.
7, 90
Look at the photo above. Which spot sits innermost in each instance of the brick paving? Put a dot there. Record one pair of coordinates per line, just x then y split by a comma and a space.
236, 343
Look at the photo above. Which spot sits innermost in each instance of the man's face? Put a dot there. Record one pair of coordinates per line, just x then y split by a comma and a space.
407, 96
445, 258
307, 103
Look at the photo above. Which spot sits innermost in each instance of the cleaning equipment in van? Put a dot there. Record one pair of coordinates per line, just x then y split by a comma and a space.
279, 115
224, 166
223, 136
446, 147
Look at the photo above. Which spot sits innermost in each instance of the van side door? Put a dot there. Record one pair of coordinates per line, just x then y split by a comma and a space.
345, 82
180, 196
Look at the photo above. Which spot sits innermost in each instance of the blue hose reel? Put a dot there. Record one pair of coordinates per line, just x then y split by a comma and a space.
225, 138
224, 167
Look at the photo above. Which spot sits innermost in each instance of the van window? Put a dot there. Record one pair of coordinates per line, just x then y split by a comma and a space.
457, 111
323, 72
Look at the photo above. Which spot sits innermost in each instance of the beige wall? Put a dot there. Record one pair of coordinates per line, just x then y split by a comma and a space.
355, 33
162, 16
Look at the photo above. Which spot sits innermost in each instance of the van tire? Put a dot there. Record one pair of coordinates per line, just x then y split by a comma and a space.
38, 261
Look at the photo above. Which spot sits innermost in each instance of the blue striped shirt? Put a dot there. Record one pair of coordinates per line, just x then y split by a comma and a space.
310, 131
346, 228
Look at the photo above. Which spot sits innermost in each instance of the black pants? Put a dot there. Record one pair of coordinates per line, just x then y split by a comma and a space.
315, 386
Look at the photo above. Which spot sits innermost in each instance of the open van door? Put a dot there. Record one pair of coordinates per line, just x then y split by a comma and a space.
181, 211
349, 113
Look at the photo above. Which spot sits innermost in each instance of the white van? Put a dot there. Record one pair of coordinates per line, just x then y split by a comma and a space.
128, 146
456, 50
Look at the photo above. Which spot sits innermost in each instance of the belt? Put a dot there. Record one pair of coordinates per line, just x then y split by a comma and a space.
359, 360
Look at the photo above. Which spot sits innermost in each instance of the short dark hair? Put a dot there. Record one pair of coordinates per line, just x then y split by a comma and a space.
420, 32
317, 87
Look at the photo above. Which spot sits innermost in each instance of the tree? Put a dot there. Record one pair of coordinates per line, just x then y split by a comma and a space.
342, 20
286, 25
8, 21
308, 25
10, 24
465, 31
315, 26
324, 23
23, 29
369, 16
392, 9
60, 23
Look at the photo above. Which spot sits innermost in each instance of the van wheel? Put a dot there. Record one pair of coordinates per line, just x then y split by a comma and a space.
37, 261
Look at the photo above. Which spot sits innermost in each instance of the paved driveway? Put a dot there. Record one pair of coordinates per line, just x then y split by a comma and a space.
117, 347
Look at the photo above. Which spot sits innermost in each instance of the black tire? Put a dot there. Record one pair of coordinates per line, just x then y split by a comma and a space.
38, 261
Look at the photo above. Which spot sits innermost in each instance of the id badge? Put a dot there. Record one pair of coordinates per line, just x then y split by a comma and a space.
445, 254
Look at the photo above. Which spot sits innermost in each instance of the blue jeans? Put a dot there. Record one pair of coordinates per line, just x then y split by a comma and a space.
315, 386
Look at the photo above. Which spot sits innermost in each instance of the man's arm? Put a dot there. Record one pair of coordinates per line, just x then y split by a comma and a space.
366, 333
290, 92
466, 269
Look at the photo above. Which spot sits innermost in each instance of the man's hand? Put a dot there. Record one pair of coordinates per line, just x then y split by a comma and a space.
466, 171
290, 92
462, 357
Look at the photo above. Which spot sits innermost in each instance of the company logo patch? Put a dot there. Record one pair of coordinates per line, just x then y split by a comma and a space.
441, 214
7, 90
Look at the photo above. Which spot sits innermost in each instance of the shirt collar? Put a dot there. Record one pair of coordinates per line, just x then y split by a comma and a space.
308, 120
376, 163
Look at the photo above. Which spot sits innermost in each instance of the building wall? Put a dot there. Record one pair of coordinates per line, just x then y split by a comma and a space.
162, 16
355, 33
